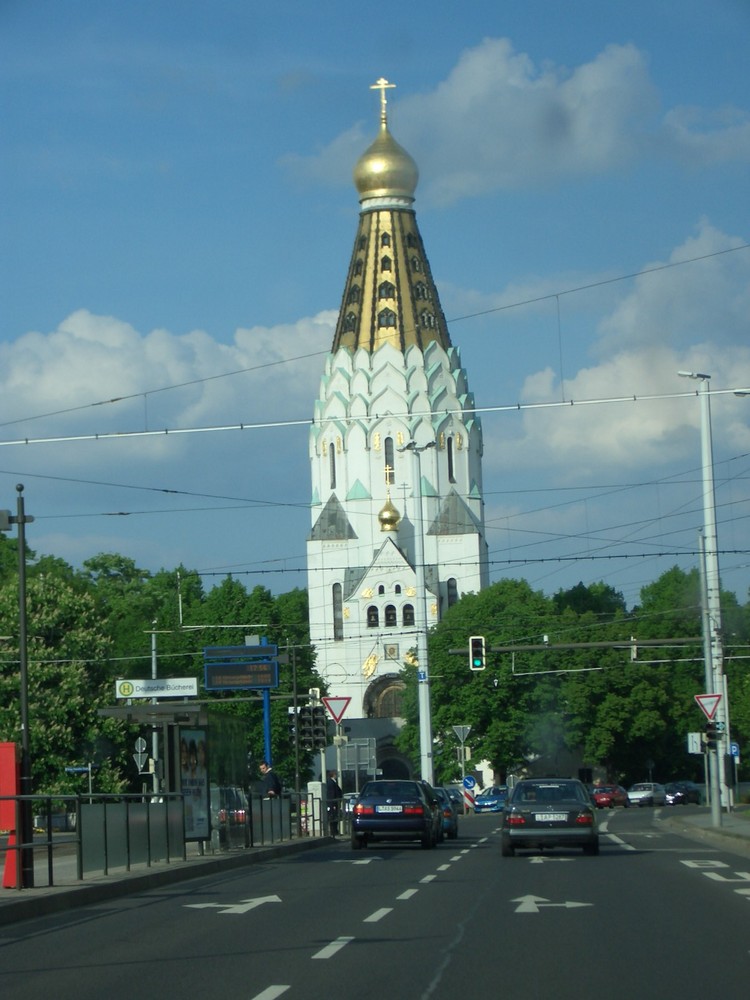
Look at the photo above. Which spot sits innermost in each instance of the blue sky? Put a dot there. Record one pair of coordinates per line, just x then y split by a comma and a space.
177, 214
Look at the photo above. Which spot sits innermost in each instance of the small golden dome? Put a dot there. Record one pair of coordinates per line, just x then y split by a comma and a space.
389, 517
385, 169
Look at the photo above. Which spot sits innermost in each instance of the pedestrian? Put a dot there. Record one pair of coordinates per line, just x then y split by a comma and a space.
269, 780
334, 796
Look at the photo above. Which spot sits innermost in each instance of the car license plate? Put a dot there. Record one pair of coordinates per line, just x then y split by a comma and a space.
388, 809
550, 817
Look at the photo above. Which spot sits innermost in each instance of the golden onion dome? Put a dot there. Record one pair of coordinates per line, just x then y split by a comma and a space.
389, 517
385, 169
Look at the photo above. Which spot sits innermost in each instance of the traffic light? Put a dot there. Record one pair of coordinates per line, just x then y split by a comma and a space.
319, 728
476, 652
711, 735
305, 727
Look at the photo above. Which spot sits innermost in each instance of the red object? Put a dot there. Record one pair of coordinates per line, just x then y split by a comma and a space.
10, 784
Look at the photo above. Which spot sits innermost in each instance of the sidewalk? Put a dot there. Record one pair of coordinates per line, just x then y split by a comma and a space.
23, 904
733, 834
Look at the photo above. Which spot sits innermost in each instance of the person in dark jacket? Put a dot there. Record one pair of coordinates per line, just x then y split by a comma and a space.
269, 781
333, 802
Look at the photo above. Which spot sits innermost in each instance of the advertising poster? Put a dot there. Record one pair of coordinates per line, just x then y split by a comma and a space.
194, 782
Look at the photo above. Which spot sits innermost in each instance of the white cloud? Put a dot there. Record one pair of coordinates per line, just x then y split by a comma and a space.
498, 121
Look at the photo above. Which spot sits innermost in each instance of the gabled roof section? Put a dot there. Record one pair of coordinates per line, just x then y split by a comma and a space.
454, 518
333, 524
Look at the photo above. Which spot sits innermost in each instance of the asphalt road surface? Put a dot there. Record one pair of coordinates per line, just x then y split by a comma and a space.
655, 915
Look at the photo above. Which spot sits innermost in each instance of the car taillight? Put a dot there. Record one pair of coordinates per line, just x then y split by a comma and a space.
413, 811
361, 810
584, 819
447, 813
515, 819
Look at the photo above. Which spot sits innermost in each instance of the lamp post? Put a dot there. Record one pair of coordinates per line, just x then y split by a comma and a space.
713, 642
423, 670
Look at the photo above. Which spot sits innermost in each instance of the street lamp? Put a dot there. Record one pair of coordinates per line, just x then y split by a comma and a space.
712, 627
423, 675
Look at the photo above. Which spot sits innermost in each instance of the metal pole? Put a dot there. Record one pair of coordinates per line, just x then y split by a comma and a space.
26, 811
423, 670
154, 730
712, 764
713, 584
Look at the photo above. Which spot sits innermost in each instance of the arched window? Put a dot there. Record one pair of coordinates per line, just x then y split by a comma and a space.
385, 240
420, 290
338, 613
416, 264
452, 592
390, 616
390, 472
427, 320
451, 468
353, 295
381, 588
385, 263
362, 243
408, 614
386, 318
332, 464
411, 240
397, 589
350, 322
386, 290
373, 618
359, 266
390, 703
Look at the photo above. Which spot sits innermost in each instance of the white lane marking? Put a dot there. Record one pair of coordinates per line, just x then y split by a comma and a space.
378, 915
428, 878
620, 842
541, 859
443, 868
271, 993
742, 877
331, 949
360, 861
408, 894
456, 857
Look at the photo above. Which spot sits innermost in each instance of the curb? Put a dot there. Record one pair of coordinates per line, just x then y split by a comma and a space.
725, 840
53, 899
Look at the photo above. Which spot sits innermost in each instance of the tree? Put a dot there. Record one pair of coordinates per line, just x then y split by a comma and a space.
67, 683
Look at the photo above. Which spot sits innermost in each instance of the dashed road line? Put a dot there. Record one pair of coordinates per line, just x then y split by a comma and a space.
408, 894
271, 993
378, 915
333, 948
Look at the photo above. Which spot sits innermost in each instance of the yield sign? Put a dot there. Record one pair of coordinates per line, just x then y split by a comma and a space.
708, 703
336, 707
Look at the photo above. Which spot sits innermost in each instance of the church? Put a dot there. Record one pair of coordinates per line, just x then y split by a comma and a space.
397, 531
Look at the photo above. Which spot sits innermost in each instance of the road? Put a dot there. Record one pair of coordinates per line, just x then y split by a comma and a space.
654, 915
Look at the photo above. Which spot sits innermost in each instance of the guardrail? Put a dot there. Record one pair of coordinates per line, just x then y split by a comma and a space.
79, 836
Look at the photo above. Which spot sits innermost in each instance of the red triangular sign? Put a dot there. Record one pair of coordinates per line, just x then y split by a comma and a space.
708, 704
337, 707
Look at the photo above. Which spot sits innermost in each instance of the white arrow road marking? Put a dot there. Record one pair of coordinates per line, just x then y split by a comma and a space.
330, 949
242, 907
540, 860
359, 861
532, 904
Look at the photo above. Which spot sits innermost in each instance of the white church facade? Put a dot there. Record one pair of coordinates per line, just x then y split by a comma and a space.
396, 458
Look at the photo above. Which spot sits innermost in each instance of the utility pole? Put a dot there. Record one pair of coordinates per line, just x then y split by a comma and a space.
26, 817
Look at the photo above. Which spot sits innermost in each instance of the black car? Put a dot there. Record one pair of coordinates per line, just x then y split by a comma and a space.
549, 812
680, 793
395, 810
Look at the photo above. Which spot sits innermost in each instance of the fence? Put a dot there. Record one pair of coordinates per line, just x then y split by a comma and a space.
81, 836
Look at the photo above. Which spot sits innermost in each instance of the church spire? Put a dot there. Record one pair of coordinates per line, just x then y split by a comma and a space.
390, 296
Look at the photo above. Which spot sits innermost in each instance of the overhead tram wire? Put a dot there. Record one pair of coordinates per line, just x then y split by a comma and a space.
304, 357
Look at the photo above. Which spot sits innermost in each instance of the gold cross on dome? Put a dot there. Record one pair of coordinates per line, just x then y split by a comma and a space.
382, 85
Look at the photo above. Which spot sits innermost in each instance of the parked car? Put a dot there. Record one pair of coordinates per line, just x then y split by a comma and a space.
609, 796
542, 813
680, 793
394, 810
647, 793
457, 797
491, 800
448, 813
437, 812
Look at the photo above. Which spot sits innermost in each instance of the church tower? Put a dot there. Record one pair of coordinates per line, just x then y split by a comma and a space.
396, 457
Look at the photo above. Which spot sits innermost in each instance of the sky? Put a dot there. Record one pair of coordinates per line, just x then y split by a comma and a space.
177, 214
